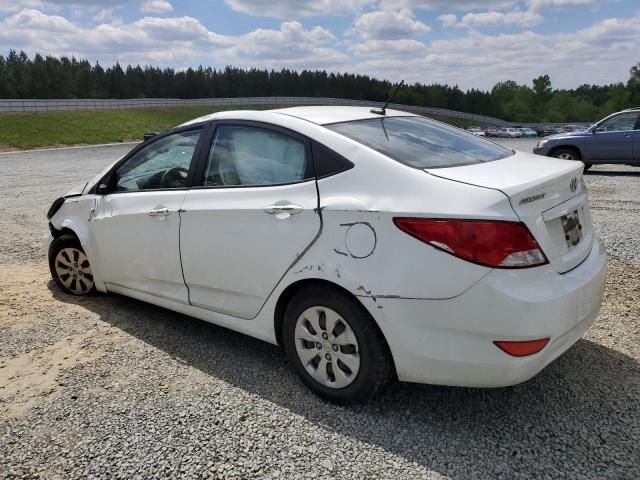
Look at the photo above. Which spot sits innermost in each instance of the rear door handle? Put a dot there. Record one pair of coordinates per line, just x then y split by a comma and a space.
160, 212
283, 211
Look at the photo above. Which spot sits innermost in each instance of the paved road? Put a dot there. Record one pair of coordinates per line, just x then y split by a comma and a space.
107, 387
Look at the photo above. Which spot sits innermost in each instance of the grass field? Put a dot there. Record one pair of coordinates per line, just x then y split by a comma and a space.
90, 127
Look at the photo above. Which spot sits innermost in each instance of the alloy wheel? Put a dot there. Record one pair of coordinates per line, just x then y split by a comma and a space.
73, 270
327, 347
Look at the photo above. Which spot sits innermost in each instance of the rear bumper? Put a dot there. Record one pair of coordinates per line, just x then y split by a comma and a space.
450, 342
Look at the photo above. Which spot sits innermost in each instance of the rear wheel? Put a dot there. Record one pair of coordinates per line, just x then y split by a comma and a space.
566, 154
70, 266
334, 346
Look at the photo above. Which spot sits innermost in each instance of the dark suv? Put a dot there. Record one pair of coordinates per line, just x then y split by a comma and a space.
616, 139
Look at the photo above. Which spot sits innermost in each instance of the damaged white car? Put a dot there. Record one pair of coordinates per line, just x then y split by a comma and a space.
371, 244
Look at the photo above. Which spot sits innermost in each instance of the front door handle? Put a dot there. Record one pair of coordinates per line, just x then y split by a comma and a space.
283, 211
160, 212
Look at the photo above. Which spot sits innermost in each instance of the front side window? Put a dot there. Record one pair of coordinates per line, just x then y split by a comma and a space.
622, 122
420, 142
162, 164
253, 156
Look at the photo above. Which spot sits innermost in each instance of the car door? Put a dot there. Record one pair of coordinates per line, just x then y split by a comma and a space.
612, 139
636, 142
255, 214
135, 227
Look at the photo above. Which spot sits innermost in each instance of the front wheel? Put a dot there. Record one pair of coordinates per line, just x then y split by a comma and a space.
334, 346
70, 266
566, 154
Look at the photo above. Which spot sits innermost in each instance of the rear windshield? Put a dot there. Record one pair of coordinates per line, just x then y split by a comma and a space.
420, 142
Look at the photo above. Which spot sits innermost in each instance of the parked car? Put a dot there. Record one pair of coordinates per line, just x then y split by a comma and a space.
551, 130
491, 132
476, 131
509, 133
528, 132
615, 139
368, 244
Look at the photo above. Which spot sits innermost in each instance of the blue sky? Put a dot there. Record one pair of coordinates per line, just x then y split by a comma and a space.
470, 43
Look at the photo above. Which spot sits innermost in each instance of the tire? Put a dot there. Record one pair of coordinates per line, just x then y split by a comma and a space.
70, 267
347, 333
566, 154
587, 166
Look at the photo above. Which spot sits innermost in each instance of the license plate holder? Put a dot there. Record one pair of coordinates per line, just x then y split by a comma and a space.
572, 228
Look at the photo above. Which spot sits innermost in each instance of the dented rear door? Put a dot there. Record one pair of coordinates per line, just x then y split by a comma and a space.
254, 215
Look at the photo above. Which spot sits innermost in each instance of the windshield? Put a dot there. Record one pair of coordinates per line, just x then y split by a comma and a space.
420, 142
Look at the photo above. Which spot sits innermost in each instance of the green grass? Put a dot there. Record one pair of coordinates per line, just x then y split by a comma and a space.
90, 127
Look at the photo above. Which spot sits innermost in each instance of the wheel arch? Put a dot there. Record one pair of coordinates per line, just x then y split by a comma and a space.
575, 148
291, 290
62, 231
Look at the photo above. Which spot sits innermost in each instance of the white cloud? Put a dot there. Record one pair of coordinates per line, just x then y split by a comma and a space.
177, 41
388, 24
394, 49
156, 6
103, 7
296, 8
448, 20
469, 5
290, 46
493, 19
541, 4
17, 5
447, 4
600, 54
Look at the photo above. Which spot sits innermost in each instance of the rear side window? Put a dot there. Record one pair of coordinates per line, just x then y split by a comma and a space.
420, 142
246, 155
328, 162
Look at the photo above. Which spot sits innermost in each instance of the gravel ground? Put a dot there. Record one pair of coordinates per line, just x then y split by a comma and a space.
108, 387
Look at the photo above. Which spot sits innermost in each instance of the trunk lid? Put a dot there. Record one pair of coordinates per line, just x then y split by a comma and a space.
547, 194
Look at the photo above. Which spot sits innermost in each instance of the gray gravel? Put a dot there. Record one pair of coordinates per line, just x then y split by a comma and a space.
108, 387
30, 181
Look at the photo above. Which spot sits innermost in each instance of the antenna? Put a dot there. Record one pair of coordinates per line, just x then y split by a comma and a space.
383, 110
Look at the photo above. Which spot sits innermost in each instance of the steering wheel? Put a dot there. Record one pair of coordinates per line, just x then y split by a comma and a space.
174, 177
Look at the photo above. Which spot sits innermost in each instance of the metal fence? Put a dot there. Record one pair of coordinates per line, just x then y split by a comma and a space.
80, 104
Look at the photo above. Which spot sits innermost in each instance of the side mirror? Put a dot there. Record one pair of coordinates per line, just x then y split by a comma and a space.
102, 189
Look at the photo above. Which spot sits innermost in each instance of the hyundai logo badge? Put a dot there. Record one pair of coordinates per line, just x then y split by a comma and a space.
574, 184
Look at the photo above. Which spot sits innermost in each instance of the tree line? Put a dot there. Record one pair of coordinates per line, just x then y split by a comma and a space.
50, 77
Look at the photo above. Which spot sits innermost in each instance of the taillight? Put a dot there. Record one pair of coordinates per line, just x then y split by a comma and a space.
492, 243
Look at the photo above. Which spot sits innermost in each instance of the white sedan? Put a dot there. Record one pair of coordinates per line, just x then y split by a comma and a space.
476, 131
509, 133
370, 245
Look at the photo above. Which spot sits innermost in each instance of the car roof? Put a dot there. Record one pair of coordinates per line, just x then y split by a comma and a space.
320, 115
324, 115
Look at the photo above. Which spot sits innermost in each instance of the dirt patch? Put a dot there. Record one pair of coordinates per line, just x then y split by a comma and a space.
27, 304
25, 299
24, 379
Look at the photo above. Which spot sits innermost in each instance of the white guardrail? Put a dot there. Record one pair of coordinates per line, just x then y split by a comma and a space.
99, 104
